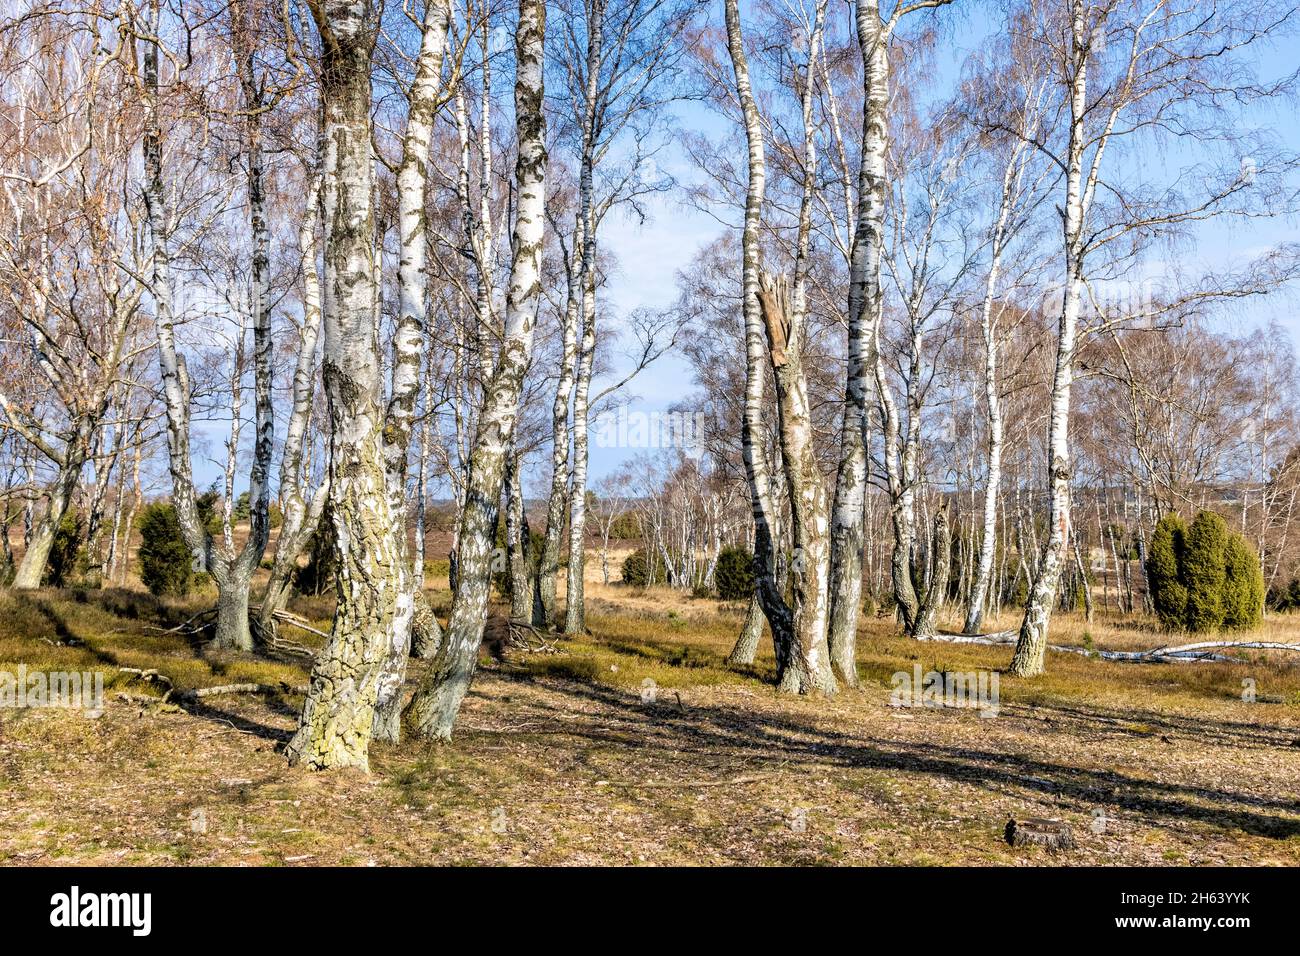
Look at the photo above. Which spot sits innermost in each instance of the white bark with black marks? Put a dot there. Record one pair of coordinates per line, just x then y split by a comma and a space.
433, 710
337, 719
408, 344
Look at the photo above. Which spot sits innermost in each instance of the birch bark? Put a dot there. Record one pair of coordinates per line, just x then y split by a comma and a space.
336, 723
757, 469
408, 346
432, 711
1031, 647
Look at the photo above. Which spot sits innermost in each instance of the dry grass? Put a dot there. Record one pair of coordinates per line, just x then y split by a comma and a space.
559, 760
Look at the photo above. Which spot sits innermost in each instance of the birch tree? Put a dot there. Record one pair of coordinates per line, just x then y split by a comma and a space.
408, 343
335, 727
874, 32
620, 64
432, 711
231, 568
67, 274
757, 467
1131, 73
301, 507
1017, 196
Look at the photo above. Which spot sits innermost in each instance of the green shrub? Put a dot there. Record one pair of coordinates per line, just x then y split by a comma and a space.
637, 569
1203, 571
166, 565
1164, 558
734, 574
61, 566
1243, 587
1204, 577
625, 527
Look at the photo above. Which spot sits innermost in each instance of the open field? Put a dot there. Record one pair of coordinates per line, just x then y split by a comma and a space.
559, 760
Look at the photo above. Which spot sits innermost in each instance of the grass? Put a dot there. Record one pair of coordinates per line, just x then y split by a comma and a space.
561, 757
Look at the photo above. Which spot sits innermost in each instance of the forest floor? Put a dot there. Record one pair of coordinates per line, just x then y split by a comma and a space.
563, 758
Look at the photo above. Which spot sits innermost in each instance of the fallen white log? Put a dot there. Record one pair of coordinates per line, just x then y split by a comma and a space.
1166, 654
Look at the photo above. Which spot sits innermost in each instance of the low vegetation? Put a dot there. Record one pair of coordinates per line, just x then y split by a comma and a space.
636, 744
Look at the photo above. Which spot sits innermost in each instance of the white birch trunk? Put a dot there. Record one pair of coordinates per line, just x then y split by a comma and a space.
864, 307
757, 470
437, 700
408, 346
1031, 648
337, 718
300, 514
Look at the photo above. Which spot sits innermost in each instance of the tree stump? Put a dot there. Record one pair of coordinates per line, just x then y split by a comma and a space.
1053, 834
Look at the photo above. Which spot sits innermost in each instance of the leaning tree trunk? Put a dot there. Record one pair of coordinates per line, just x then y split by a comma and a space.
751, 632
337, 718
433, 709
864, 306
408, 350
1031, 647
31, 569
757, 469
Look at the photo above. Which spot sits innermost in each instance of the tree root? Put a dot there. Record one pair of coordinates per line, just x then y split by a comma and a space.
530, 638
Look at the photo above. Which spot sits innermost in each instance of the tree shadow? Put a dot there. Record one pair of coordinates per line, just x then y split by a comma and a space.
755, 737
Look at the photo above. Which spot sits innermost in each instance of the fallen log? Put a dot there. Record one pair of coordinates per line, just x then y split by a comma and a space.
200, 692
1200, 651
152, 675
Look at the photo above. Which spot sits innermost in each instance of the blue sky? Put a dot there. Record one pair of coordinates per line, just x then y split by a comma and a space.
650, 254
